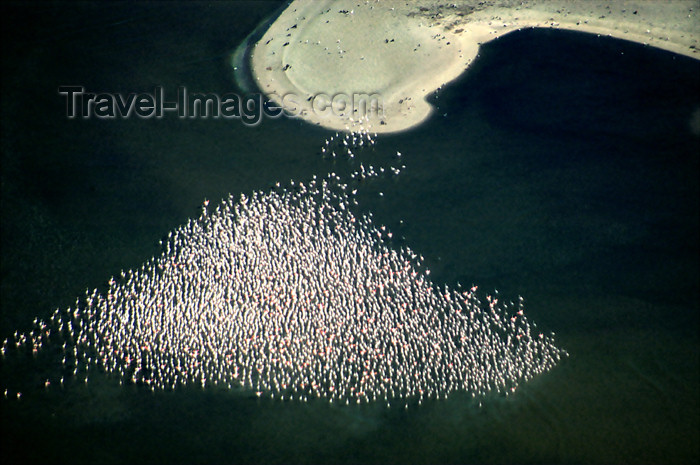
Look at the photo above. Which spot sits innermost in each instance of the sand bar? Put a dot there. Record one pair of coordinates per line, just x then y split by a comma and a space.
392, 54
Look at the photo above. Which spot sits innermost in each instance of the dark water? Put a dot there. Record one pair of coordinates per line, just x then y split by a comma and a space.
572, 182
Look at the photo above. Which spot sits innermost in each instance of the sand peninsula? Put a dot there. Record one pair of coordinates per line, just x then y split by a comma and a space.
402, 51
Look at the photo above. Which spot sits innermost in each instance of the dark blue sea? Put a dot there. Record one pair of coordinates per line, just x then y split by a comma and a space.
561, 167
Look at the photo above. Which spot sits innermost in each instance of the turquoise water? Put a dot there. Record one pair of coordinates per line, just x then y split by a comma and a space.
573, 184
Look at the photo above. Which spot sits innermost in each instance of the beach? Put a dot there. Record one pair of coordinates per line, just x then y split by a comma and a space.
354, 66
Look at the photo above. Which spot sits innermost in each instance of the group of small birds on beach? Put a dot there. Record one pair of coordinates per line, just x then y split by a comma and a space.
290, 295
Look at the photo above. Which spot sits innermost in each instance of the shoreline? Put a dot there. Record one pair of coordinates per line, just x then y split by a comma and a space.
405, 52
240, 59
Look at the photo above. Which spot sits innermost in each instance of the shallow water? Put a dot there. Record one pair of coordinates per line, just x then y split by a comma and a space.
572, 183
